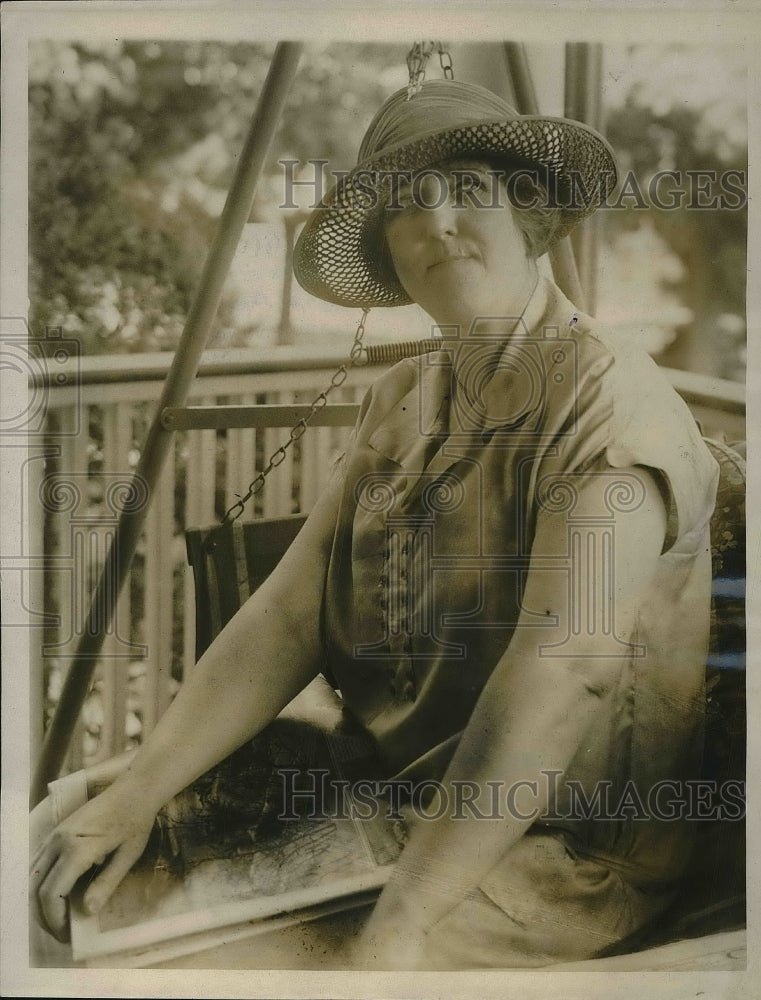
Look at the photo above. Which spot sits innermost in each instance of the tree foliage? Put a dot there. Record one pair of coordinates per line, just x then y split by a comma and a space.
692, 124
133, 147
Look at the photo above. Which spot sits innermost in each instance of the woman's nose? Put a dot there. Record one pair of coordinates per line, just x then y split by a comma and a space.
437, 203
441, 219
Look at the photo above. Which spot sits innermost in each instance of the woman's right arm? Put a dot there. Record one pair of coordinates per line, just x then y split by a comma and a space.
268, 653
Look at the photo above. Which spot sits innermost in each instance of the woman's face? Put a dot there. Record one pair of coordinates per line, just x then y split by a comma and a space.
464, 257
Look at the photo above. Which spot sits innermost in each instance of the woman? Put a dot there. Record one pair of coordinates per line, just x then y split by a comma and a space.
512, 569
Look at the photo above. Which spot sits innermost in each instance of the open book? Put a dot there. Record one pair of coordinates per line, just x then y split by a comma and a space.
272, 836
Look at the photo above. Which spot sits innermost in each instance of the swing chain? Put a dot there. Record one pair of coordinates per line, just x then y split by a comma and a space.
417, 60
445, 61
357, 358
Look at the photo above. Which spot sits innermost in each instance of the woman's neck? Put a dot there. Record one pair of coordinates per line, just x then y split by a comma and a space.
478, 341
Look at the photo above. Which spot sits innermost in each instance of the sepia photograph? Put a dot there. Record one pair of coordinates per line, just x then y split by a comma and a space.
374, 452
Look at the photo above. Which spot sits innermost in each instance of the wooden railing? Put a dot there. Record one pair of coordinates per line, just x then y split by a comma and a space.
97, 422
110, 401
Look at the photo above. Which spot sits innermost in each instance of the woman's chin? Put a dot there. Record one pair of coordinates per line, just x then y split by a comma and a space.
457, 296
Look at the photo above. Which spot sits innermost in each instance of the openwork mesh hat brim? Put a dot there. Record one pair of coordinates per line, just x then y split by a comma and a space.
337, 255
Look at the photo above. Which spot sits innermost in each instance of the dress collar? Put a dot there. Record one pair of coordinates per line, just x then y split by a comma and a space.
424, 417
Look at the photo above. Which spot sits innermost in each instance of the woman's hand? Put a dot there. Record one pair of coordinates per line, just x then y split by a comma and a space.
111, 830
265, 656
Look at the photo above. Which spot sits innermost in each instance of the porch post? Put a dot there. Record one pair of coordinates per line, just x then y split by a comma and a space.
583, 85
561, 255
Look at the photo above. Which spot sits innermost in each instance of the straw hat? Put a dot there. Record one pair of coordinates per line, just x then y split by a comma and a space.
337, 255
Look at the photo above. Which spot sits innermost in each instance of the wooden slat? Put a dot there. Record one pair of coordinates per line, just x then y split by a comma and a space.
322, 445
36, 591
159, 546
279, 484
188, 621
260, 416
232, 461
71, 589
307, 472
271, 382
314, 452
240, 465
200, 449
247, 452
122, 378
113, 668
105, 369
213, 385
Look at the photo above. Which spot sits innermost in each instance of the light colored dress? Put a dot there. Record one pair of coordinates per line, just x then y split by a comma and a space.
429, 563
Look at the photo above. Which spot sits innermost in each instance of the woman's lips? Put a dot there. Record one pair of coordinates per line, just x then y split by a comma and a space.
449, 259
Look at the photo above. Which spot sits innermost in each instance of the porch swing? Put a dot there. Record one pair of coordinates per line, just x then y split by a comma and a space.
231, 559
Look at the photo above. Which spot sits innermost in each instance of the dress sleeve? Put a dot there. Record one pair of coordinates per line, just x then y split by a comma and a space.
626, 413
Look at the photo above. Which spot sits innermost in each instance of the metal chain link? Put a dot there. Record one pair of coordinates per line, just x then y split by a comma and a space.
356, 359
445, 61
417, 60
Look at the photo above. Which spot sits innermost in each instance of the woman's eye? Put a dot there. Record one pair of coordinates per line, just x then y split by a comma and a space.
403, 205
462, 184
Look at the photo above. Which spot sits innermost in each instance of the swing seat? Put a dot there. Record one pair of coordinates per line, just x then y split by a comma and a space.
229, 562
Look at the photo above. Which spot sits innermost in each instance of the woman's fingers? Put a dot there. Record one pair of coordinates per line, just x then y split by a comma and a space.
57, 885
75, 856
112, 828
103, 886
42, 861
81, 856
41, 866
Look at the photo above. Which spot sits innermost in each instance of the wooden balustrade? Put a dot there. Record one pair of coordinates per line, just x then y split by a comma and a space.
111, 401
151, 644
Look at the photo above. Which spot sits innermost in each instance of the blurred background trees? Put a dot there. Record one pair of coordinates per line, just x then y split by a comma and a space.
133, 145
680, 108
132, 149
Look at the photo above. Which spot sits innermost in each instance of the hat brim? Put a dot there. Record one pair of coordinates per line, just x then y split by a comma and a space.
337, 255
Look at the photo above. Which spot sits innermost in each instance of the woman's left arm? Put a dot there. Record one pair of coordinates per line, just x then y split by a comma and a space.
531, 716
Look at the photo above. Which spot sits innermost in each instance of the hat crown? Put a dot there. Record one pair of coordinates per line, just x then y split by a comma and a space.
439, 105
